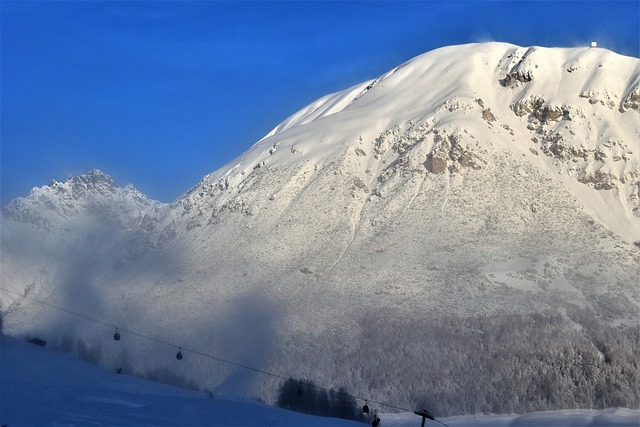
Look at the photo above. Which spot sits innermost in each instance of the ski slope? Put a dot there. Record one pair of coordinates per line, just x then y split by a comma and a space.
40, 387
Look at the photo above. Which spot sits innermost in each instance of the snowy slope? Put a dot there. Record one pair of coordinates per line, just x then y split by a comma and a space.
578, 106
457, 231
45, 388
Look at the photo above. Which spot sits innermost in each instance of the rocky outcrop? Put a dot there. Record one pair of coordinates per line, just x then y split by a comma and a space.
631, 101
521, 71
527, 106
537, 108
599, 179
488, 115
515, 77
603, 98
450, 154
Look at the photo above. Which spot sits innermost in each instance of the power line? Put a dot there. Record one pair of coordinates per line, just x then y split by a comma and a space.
219, 359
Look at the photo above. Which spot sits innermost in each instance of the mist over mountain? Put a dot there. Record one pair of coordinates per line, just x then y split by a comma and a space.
457, 233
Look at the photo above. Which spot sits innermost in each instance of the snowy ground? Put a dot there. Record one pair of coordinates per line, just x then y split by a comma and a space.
40, 387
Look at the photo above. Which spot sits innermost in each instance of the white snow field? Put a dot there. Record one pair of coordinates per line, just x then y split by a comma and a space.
41, 387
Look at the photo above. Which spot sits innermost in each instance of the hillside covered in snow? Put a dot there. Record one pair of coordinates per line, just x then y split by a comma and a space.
41, 387
460, 233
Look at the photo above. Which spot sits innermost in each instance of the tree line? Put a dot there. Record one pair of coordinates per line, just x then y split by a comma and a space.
303, 396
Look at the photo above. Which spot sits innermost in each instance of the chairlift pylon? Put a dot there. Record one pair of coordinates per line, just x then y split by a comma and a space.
116, 336
424, 414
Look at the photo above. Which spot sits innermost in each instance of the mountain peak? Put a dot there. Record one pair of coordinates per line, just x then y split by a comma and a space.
93, 180
464, 70
96, 176
468, 198
93, 193
571, 111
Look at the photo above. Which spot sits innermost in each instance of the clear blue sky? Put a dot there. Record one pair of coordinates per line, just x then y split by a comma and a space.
159, 94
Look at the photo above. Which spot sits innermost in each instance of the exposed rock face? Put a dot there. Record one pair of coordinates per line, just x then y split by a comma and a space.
517, 76
527, 106
632, 100
450, 155
599, 179
536, 108
603, 98
488, 115
521, 72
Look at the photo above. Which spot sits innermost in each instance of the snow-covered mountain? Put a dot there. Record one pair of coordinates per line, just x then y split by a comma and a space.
458, 232
59, 230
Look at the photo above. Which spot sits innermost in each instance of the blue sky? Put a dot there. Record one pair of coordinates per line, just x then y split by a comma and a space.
159, 94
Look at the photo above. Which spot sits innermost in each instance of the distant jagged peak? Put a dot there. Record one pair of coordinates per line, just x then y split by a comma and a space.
93, 193
94, 179
90, 184
94, 176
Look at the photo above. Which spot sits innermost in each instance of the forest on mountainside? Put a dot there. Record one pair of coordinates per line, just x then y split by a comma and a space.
467, 365
486, 364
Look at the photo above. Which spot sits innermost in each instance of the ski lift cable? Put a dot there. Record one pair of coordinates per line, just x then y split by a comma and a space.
129, 331
219, 359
